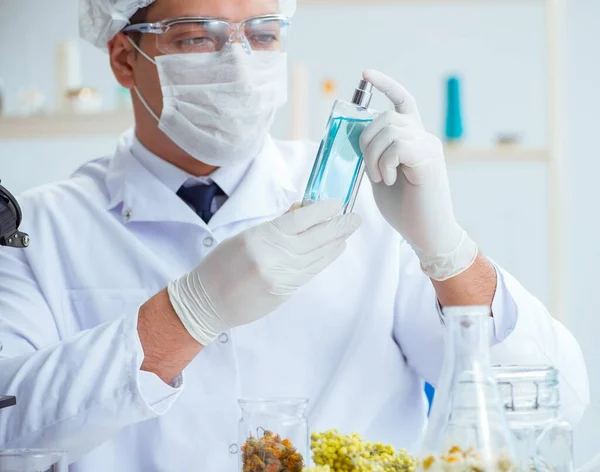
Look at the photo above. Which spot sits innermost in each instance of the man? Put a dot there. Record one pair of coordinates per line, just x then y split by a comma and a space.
180, 252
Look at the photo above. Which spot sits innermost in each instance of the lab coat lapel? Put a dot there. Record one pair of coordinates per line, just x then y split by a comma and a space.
266, 191
139, 195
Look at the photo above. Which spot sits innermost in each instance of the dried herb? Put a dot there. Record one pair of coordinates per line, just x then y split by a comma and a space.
457, 460
351, 453
270, 454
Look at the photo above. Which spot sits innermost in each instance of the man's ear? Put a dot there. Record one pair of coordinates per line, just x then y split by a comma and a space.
122, 58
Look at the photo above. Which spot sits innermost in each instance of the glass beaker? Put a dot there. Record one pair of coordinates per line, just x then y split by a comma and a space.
33, 460
273, 434
467, 428
531, 399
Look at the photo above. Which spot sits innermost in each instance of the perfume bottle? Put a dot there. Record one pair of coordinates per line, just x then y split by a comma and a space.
339, 166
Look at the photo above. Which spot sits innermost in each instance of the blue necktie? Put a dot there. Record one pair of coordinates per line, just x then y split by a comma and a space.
201, 197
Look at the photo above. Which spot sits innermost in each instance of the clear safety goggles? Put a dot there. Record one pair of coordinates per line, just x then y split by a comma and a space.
190, 35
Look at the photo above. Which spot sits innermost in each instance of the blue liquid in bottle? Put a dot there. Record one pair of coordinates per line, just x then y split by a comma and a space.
340, 161
339, 167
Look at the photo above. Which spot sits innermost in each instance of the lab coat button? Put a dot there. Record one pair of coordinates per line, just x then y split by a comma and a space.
233, 449
223, 338
127, 215
208, 242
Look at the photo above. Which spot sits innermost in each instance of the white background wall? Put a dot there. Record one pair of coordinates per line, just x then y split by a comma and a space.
499, 50
584, 195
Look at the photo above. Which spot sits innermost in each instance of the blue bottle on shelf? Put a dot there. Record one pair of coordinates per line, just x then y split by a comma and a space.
339, 166
454, 121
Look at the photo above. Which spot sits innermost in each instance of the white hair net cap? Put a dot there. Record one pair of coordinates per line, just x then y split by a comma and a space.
101, 20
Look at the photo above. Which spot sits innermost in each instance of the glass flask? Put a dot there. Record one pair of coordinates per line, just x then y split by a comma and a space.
467, 431
339, 166
273, 434
531, 399
33, 460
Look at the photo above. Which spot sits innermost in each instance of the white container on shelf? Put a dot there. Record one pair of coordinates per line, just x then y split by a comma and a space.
84, 101
68, 73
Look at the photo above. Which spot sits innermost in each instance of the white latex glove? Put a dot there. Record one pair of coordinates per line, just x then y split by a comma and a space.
406, 165
246, 277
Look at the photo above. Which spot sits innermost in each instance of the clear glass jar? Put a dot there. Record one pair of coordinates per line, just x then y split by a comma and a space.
467, 429
273, 434
531, 400
33, 460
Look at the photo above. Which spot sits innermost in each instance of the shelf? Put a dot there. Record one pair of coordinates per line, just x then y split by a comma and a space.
107, 124
66, 125
499, 154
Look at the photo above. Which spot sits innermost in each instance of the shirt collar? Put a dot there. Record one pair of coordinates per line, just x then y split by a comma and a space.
171, 176
228, 179
258, 188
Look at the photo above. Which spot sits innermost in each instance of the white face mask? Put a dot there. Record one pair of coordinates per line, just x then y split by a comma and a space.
219, 107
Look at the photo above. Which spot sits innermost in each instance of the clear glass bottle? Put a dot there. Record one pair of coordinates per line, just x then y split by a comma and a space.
467, 429
531, 399
273, 434
339, 166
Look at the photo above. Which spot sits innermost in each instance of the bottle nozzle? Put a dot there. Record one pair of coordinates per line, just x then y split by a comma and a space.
363, 94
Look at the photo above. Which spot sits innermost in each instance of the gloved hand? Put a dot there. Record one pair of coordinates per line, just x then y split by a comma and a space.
246, 277
406, 165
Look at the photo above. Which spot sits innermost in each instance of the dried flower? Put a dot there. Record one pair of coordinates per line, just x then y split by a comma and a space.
459, 460
350, 453
270, 454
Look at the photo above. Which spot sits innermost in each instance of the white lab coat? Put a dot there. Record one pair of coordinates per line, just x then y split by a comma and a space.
357, 341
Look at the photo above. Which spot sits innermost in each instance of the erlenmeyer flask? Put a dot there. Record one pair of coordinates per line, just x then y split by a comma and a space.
467, 425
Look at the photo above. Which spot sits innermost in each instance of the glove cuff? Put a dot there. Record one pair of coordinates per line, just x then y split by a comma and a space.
203, 327
446, 266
